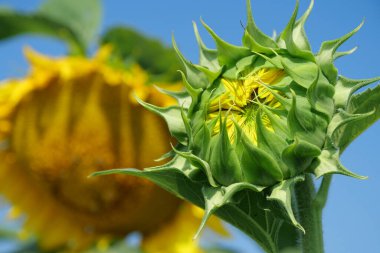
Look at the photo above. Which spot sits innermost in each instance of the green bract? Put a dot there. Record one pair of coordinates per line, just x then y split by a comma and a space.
255, 120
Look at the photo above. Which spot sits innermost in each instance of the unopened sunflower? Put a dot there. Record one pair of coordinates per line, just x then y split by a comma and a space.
264, 117
73, 116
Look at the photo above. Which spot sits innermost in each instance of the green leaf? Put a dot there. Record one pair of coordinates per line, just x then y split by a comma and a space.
194, 93
278, 122
299, 155
254, 38
216, 197
176, 182
172, 116
341, 119
171, 179
250, 42
328, 163
303, 72
299, 35
364, 102
270, 142
207, 57
182, 97
228, 54
304, 124
130, 46
82, 17
260, 39
258, 166
224, 162
325, 57
320, 95
220, 201
282, 193
15, 23
294, 38
198, 163
344, 53
195, 77
345, 87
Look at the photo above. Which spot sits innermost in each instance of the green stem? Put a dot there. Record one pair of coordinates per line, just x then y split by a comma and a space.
310, 215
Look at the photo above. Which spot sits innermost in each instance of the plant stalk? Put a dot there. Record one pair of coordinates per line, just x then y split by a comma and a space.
310, 215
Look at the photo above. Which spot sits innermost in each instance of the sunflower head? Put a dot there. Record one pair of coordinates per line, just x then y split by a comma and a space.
68, 118
261, 115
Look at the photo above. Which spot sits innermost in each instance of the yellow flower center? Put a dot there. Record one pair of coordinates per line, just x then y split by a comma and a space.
242, 99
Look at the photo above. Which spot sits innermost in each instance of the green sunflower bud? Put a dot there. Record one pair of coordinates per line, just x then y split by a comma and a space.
258, 119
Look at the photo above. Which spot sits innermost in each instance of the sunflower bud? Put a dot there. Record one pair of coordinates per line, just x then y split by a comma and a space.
262, 116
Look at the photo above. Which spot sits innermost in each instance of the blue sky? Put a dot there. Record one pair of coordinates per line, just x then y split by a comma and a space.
351, 217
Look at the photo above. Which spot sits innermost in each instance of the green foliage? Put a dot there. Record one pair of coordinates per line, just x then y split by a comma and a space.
366, 103
177, 182
82, 17
14, 23
160, 61
75, 22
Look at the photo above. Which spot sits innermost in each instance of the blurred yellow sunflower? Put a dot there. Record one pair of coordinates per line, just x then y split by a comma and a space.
73, 116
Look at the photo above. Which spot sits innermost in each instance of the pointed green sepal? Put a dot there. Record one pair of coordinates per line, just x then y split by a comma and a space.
306, 124
268, 141
275, 61
299, 155
300, 118
294, 38
345, 87
301, 71
202, 138
169, 178
171, 115
328, 163
320, 95
224, 162
228, 54
250, 42
260, 38
195, 77
211, 75
258, 166
182, 97
337, 55
207, 57
299, 34
198, 163
364, 102
245, 65
278, 121
216, 197
169, 155
285, 102
193, 92
341, 119
325, 57
186, 122
282, 194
